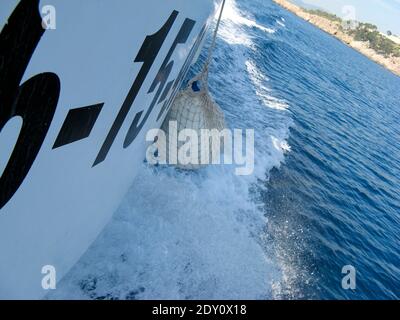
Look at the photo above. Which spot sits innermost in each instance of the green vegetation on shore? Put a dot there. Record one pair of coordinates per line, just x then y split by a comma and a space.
366, 32
377, 41
324, 14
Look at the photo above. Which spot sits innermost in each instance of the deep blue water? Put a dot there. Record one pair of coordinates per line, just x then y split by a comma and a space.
339, 187
325, 192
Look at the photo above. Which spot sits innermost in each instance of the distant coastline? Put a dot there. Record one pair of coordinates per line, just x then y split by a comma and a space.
334, 27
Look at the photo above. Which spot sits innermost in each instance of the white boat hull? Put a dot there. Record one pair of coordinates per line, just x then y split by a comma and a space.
91, 90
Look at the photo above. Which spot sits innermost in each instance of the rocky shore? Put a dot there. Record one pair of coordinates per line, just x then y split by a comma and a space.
334, 28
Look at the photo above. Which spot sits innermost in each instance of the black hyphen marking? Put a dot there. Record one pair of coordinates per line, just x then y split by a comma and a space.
78, 124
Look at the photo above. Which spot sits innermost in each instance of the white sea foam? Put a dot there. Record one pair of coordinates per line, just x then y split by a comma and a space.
232, 19
280, 23
179, 236
262, 91
280, 145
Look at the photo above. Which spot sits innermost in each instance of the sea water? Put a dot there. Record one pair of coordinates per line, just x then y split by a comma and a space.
325, 192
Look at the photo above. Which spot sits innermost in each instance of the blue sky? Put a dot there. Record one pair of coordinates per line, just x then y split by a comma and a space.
384, 13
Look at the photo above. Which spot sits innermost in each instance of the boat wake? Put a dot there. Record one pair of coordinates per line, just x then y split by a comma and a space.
198, 235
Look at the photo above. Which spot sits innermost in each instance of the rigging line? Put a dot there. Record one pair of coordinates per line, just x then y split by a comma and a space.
212, 47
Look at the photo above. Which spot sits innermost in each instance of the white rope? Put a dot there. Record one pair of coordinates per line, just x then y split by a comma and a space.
212, 47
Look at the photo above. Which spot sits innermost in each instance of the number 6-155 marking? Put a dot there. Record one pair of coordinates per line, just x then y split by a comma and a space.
35, 100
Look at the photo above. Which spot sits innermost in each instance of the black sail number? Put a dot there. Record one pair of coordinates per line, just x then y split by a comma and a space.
35, 101
147, 55
160, 81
